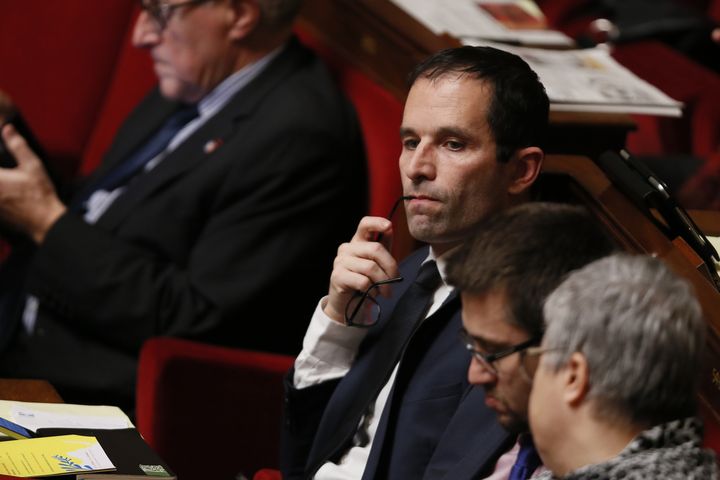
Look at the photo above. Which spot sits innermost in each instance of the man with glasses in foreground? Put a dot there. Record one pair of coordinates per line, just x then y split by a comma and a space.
504, 274
230, 184
381, 391
614, 395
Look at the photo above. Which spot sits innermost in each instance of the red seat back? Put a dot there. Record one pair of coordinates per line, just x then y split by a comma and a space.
133, 77
209, 411
380, 115
57, 61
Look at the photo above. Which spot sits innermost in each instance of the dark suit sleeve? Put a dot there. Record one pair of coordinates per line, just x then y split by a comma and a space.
265, 239
303, 410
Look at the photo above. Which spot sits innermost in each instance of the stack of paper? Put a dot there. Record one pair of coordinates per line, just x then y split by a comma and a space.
34, 416
76, 440
590, 80
513, 21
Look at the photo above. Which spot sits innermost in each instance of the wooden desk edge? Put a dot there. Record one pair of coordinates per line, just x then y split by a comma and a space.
707, 220
28, 391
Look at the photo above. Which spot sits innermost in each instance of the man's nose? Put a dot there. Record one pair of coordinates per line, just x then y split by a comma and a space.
146, 32
420, 163
479, 374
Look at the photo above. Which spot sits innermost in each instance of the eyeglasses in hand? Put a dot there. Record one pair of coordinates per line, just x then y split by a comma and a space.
357, 311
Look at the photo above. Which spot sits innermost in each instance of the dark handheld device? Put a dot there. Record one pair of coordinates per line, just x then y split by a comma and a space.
17, 121
648, 192
6, 159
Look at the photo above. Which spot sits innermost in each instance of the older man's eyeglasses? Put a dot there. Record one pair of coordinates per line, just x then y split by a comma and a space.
488, 359
357, 312
161, 11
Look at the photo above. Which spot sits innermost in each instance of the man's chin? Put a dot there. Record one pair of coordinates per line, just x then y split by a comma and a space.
512, 423
175, 91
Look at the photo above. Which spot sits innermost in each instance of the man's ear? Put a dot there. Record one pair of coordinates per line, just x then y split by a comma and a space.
525, 164
246, 17
575, 383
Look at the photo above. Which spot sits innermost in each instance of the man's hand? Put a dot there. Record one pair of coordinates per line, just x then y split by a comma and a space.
358, 264
7, 108
28, 201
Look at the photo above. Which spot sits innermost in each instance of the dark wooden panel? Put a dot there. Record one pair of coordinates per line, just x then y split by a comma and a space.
28, 391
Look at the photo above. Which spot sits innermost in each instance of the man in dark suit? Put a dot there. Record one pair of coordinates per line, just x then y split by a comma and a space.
393, 400
504, 273
224, 235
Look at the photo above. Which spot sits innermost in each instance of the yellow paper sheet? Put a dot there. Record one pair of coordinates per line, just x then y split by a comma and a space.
52, 456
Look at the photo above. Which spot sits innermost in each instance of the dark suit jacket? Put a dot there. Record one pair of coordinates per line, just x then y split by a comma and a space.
230, 246
439, 426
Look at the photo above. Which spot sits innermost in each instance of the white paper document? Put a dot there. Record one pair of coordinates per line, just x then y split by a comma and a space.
33, 415
515, 21
590, 80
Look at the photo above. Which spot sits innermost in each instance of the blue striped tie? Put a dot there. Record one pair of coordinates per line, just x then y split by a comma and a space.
133, 165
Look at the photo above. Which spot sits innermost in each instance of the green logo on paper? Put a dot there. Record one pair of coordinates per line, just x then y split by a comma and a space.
154, 470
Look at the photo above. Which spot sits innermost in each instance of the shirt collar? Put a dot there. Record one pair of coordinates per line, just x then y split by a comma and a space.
220, 95
441, 261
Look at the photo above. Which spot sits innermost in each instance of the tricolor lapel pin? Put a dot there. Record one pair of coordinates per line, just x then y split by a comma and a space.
212, 145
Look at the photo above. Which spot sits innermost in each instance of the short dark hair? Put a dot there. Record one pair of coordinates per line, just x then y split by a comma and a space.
527, 251
518, 112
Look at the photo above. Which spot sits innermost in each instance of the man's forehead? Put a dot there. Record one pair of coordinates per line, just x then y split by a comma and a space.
452, 82
487, 318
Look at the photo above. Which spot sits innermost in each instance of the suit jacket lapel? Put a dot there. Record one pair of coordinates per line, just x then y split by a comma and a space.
483, 439
443, 314
190, 153
362, 383
140, 125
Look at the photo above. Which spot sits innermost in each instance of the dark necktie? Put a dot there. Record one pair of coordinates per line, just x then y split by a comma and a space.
375, 369
409, 311
527, 460
407, 315
422, 337
123, 172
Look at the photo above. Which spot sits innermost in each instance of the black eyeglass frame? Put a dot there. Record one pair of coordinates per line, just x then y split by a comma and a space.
363, 297
488, 359
367, 294
161, 11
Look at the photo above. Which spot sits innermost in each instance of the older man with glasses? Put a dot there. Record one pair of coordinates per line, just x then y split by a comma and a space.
226, 189
504, 273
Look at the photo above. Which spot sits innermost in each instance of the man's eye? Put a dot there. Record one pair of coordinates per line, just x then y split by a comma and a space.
454, 145
410, 144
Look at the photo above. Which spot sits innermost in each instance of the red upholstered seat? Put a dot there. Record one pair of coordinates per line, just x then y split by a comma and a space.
57, 65
684, 80
210, 412
380, 115
133, 77
268, 474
